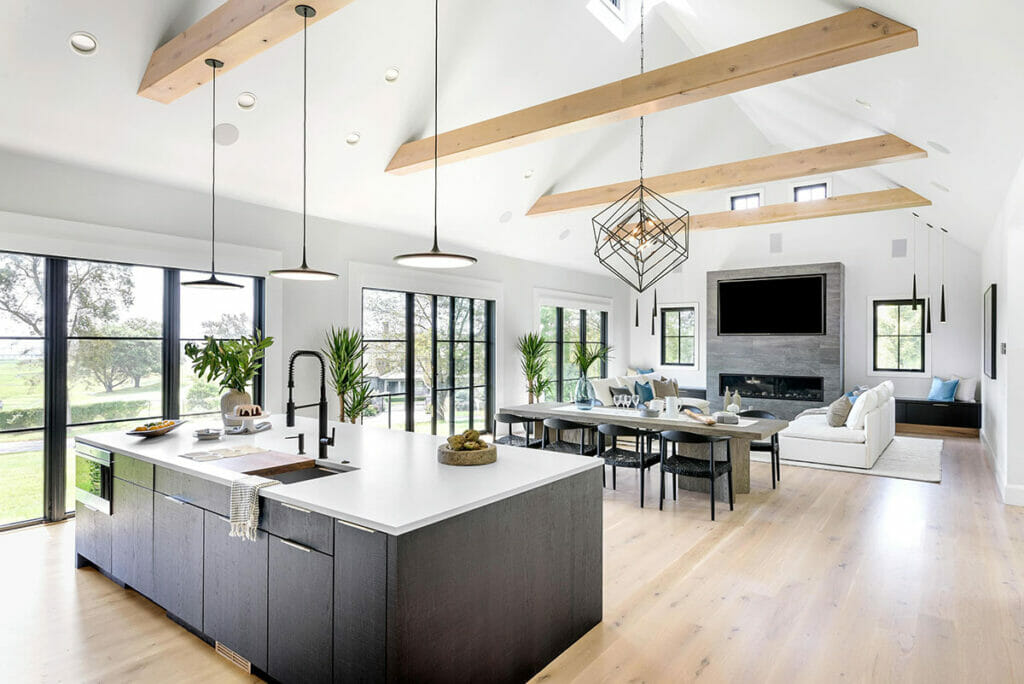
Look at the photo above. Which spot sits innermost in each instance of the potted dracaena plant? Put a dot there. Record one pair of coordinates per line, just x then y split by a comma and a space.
344, 351
533, 349
232, 364
584, 356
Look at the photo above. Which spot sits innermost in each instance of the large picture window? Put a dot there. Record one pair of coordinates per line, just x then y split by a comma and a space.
679, 336
562, 328
430, 360
107, 339
899, 336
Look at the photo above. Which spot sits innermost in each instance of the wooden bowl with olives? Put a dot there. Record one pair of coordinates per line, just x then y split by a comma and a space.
467, 449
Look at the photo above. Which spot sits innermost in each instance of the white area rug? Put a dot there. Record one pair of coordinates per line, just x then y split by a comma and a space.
907, 458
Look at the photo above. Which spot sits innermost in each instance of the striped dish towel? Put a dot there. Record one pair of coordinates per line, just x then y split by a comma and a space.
245, 505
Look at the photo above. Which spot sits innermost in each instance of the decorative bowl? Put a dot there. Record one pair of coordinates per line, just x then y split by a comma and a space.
158, 432
467, 458
650, 413
207, 434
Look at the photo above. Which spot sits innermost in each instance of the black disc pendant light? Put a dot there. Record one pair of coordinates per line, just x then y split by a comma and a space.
213, 282
435, 258
304, 272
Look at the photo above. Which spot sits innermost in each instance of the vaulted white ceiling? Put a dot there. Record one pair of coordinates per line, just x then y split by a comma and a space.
961, 88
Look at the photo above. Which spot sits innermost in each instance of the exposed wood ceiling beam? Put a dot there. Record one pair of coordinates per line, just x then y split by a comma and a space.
849, 37
842, 205
860, 203
816, 160
233, 33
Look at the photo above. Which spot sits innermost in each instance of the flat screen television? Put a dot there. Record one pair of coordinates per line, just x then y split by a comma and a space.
786, 305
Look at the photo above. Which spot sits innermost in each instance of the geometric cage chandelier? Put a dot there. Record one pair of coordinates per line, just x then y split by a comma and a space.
643, 236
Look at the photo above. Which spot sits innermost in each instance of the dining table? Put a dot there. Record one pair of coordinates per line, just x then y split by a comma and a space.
740, 435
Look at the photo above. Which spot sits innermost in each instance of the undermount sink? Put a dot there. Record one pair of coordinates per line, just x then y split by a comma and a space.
303, 474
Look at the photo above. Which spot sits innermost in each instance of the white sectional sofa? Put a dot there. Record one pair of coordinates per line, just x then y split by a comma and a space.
858, 444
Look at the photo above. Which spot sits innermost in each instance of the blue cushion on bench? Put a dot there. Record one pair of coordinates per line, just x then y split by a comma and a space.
943, 390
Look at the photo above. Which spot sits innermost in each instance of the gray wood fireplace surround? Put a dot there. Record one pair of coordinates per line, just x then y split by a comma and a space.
800, 356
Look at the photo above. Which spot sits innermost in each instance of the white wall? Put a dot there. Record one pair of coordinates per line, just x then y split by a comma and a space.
864, 244
1004, 396
56, 209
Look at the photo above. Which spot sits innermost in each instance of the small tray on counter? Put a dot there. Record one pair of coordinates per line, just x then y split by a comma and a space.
158, 432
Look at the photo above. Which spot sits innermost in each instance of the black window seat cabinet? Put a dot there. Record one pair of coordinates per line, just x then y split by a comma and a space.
942, 418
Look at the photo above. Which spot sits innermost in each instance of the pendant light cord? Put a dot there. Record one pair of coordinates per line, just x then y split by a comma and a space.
305, 27
213, 180
437, 22
642, 59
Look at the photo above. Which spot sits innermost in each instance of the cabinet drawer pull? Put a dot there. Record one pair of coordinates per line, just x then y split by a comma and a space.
295, 508
941, 405
174, 500
300, 547
358, 527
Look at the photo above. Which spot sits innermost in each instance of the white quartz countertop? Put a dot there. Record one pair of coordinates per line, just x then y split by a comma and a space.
398, 485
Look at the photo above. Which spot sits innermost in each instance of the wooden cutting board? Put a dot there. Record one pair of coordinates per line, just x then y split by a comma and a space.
265, 463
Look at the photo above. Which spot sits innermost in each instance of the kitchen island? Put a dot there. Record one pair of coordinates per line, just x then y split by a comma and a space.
384, 566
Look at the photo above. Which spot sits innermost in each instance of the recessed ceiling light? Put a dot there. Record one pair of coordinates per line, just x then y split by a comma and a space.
83, 43
353, 138
939, 147
506, 217
225, 134
528, 173
940, 186
246, 101
863, 103
391, 74
564, 234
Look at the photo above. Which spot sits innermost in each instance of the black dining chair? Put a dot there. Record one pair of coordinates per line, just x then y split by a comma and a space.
559, 426
641, 458
771, 446
692, 466
512, 439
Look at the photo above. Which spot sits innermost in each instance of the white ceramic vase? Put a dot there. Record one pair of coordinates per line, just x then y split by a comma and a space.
228, 401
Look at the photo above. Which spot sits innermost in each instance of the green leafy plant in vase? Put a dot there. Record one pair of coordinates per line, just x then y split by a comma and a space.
584, 356
344, 350
533, 350
232, 365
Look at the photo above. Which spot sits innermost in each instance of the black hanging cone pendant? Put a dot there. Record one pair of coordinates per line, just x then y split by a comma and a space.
928, 318
942, 306
913, 296
654, 311
636, 324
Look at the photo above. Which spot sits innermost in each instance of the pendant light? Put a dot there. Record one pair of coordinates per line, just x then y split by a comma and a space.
643, 236
654, 311
213, 282
913, 296
304, 272
435, 258
928, 299
636, 322
942, 305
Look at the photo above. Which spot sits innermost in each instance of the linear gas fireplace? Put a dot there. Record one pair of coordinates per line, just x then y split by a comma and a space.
783, 387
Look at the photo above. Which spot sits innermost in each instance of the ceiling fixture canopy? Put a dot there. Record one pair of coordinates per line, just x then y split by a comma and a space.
643, 236
213, 282
435, 258
304, 272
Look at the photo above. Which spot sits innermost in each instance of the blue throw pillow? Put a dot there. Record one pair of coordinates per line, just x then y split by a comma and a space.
644, 371
943, 390
644, 391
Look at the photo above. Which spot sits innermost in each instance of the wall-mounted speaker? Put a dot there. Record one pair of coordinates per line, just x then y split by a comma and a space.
899, 248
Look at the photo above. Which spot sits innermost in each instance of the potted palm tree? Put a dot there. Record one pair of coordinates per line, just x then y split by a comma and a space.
232, 364
533, 349
584, 356
344, 349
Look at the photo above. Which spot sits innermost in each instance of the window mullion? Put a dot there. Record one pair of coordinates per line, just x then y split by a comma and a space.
55, 399
172, 344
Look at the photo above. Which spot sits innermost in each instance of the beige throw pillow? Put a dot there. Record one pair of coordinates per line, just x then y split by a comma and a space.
839, 411
664, 388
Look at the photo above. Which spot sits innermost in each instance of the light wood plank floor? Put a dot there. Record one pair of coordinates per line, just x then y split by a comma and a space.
832, 577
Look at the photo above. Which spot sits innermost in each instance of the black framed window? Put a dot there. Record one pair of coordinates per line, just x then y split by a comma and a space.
812, 191
751, 200
562, 328
899, 336
430, 359
85, 346
679, 336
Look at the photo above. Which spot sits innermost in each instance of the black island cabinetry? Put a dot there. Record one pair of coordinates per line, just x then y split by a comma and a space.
317, 599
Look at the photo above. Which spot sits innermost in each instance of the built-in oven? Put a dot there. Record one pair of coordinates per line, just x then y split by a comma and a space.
94, 477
